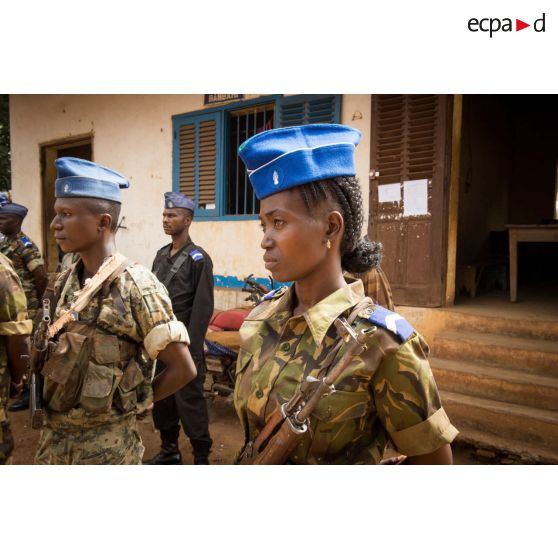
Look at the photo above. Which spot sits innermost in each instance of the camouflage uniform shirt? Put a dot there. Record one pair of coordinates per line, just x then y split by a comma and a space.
386, 393
141, 313
138, 311
25, 258
13, 321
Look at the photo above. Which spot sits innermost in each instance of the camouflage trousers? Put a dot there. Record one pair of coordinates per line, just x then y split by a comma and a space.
6, 443
114, 443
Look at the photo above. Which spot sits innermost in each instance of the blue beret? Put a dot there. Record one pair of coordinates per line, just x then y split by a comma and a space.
174, 199
286, 157
78, 178
8, 208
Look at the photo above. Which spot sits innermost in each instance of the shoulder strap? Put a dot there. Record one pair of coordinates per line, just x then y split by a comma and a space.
326, 365
107, 283
111, 269
25, 241
392, 321
366, 301
182, 257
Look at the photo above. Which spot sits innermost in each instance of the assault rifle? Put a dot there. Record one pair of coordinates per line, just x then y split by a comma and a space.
290, 422
39, 348
256, 290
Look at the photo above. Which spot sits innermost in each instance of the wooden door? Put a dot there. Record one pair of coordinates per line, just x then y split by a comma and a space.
409, 181
76, 148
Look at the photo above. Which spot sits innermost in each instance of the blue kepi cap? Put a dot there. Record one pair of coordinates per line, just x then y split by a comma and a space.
78, 178
283, 158
174, 199
10, 208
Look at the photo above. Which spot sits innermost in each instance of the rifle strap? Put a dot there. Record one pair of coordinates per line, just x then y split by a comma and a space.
328, 362
103, 278
182, 257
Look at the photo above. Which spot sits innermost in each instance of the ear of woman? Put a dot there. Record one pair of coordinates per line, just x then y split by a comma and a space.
335, 226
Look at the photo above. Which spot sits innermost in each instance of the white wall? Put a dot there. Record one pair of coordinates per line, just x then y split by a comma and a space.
133, 134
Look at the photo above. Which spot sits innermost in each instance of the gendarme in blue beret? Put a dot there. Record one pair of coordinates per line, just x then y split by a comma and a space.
78, 178
175, 199
282, 158
9, 208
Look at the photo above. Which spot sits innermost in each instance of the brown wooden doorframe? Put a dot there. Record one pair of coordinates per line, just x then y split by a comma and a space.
411, 140
453, 198
80, 146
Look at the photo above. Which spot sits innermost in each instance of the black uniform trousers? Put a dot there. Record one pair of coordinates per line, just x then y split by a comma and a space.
189, 408
191, 292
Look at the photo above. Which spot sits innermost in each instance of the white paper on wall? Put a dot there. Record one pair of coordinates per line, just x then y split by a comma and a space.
415, 197
389, 193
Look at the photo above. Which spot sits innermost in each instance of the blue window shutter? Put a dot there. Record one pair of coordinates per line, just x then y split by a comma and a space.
197, 161
308, 109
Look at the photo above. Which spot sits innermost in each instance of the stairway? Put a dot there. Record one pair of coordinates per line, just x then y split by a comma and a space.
498, 380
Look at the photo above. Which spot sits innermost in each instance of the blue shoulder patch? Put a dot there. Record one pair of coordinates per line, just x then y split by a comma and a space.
392, 322
26, 242
196, 255
272, 294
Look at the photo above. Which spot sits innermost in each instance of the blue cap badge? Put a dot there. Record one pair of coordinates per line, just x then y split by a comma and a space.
174, 199
286, 157
78, 178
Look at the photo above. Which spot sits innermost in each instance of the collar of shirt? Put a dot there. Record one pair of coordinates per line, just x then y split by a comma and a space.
167, 252
320, 316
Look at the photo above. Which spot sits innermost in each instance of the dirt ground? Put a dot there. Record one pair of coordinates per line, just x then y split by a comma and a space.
225, 430
224, 427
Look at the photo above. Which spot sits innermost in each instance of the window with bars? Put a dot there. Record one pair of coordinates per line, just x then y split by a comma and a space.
206, 166
243, 124
296, 110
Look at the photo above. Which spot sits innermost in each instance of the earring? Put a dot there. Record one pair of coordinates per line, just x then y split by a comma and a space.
328, 243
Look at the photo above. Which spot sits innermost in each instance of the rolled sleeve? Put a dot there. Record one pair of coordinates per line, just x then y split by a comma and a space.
33, 264
407, 400
164, 334
22, 327
427, 436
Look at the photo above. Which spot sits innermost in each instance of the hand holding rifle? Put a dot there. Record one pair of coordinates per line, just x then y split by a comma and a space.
282, 433
39, 348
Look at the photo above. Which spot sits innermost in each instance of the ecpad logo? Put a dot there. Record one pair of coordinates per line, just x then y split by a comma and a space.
492, 25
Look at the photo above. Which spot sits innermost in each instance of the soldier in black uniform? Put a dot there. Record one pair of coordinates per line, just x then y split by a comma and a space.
187, 272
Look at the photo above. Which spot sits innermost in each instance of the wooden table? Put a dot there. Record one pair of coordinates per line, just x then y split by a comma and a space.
526, 233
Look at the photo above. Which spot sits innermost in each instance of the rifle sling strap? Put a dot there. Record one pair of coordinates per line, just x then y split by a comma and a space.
182, 257
104, 289
331, 357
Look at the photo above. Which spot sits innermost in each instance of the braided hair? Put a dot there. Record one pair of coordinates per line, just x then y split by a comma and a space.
358, 254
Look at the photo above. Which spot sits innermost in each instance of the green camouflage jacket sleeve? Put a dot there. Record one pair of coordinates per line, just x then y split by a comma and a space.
13, 321
13, 305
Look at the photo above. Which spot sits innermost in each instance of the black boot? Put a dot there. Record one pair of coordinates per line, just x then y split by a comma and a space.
201, 449
169, 455
22, 403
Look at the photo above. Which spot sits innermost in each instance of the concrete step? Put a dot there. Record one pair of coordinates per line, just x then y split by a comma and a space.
509, 421
502, 325
536, 356
528, 453
500, 384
